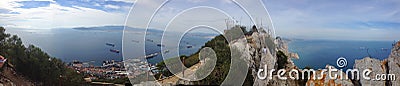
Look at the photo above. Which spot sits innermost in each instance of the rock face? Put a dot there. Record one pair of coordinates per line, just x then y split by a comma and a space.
275, 81
282, 45
326, 81
389, 67
375, 65
394, 63
260, 49
257, 54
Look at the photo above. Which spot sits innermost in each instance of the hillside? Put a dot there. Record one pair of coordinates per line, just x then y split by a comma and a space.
9, 77
33, 64
248, 47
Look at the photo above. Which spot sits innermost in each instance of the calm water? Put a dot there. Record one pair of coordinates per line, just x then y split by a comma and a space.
90, 45
318, 53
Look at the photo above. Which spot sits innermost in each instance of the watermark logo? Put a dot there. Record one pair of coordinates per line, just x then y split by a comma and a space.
341, 62
331, 72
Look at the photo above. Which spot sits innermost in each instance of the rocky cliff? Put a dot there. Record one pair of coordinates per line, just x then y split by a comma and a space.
326, 81
394, 64
387, 67
377, 66
252, 49
260, 49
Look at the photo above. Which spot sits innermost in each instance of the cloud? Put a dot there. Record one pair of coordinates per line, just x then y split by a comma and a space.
34, 4
57, 16
362, 19
112, 6
126, 1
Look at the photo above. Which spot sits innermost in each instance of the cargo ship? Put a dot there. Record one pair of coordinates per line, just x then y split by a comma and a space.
160, 45
114, 50
151, 55
110, 44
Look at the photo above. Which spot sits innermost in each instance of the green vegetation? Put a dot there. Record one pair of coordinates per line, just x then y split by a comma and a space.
223, 53
222, 50
189, 61
282, 60
33, 63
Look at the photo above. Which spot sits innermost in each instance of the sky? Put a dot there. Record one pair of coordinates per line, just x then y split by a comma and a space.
303, 19
48, 14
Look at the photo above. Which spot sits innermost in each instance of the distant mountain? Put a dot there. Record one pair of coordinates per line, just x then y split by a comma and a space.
101, 28
151, 30
115, 28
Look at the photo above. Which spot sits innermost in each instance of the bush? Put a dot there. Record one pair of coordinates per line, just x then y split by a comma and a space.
282, 60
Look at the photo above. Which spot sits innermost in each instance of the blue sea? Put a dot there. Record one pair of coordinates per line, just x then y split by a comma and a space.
318, 53
89, 44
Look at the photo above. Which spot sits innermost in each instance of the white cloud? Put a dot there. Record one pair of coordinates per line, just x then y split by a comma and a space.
56, 16
334, 19
112, 6
126, 1
9, 4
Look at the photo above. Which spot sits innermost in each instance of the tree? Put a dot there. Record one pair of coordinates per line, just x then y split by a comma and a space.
282, 60
35, 64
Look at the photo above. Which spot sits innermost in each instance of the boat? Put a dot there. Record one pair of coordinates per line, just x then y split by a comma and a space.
189, 46
151, 55
160, 45
149, 40
114, 50
110, 44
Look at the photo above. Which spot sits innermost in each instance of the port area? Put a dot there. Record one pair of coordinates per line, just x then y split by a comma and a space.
111, 72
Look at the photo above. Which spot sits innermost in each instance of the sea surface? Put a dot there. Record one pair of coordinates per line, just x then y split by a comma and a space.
89, 44
318, 53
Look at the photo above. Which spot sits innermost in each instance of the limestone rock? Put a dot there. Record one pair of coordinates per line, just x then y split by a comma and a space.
275, 81
375, 65
394, 63
326, 81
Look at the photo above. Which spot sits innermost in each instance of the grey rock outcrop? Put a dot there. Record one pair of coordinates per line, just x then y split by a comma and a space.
375, 65
251, 49
388, 67
259, 49
275, 81
326, 81
282, 45
394, 64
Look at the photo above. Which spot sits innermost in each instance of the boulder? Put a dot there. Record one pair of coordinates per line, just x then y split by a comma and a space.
375, 65
394, 63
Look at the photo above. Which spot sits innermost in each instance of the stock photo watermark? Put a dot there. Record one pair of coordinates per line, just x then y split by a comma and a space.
332, 73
